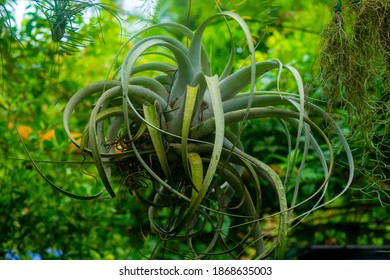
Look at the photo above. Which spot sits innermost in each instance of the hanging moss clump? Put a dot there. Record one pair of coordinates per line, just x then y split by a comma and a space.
355, 74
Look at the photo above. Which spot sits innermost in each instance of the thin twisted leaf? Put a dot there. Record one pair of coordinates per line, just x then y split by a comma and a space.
42, 174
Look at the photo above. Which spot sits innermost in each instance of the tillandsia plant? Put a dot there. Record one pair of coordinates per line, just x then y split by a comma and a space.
357, 42
170, 130
62, 15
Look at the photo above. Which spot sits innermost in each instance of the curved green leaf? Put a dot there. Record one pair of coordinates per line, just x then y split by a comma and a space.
151, 117
187, 120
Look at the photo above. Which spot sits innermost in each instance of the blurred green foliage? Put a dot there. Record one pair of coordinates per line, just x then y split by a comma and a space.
36, 82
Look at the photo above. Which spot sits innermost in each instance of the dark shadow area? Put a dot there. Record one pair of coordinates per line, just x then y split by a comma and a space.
350, 252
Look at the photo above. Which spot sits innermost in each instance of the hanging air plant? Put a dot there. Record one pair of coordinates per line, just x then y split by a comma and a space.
61, 16
170, 130
355, 73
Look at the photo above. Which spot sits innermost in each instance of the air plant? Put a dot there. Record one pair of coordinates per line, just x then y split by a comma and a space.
171, 130
61, 16
355, 68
